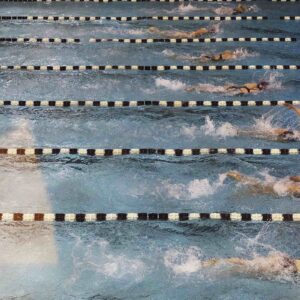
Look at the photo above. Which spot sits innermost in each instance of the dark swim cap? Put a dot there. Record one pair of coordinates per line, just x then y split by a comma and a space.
263, 84
287, 136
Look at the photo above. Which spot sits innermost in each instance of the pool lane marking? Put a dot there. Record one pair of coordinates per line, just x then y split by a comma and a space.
135, 18
198, 40
33, 40
134, 103
64, 68
38, 40
174, 217
100, 152
290, 18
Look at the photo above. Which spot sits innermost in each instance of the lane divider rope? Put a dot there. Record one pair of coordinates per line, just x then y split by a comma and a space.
53, 40
39, 40
147, 151
100, 217
290, 18
198, 40
65, 68
133, 103
126, 19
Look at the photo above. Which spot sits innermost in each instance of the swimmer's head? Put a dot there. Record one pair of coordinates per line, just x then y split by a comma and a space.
241, 8
263, 85
297, 195
287, 136
297, 264
216, 57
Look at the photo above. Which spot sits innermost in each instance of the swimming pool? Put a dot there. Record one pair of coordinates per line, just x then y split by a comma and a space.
136, 260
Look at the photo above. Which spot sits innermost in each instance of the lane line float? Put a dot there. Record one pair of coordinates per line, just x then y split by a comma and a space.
135, 18
147, 151
133, 103
64, 68
290, 18
101, 217
38, 40
33, 40
198, 40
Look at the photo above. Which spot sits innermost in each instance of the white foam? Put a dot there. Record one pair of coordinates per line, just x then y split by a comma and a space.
265, 127
172, 54
243, 53
186, 261
98, 257
196, 188
224, 10
224, 130
173, 85
189, 131
206, 87
182, 8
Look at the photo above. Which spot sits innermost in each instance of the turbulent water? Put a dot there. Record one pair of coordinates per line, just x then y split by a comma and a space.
144, 260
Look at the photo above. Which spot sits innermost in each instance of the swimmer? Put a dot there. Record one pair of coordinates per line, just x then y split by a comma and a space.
278, 134
240, 9
275, 263
247, 88
226, 55
181, 34
287, 186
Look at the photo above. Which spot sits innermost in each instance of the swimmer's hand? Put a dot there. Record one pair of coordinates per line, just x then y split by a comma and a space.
235, 175
292, 107
190, 89
153, 30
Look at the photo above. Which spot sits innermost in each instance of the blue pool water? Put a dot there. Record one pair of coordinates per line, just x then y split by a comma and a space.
137, 260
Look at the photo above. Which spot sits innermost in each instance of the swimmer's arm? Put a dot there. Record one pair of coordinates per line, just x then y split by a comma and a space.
215, 261
295, 178
293, 107
191, 88
241, 177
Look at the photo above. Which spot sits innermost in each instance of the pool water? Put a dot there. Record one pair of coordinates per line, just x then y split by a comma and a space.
136, 260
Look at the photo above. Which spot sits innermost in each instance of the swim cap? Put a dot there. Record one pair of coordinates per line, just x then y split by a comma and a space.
297, 264
263, 84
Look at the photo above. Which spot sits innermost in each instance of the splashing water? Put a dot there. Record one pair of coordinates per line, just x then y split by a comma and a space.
196, 188
185, 261
99, 258
206, 87
264, 125
172, 54
272, 79
224, 10
280, 186
242, 53
173, 85
224, 130
182, 8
